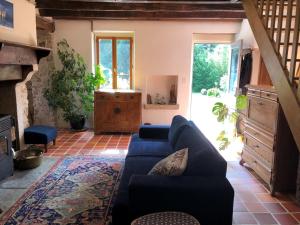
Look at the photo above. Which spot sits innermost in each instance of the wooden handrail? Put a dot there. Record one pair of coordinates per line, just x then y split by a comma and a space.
270, 51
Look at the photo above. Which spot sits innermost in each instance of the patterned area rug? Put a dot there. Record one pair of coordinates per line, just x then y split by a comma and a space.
77, 190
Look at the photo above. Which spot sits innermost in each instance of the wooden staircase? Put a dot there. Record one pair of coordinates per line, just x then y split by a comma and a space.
276, 26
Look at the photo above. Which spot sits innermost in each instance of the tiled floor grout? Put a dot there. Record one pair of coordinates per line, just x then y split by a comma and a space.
253, 202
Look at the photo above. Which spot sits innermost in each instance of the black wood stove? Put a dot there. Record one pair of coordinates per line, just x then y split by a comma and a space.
6, 155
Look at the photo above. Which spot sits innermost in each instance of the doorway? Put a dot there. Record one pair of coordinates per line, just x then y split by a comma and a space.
215, 79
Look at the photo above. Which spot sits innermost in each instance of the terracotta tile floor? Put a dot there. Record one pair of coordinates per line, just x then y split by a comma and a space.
86, 143
253, 203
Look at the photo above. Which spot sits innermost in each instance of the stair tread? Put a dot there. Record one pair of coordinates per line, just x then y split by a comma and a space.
277, 16
297, 60
290, 43
283, 29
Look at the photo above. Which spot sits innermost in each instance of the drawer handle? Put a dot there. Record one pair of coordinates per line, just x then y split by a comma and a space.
255, 133
255, 146
268, 95
131, 97
260, 103
117, 110
117, 96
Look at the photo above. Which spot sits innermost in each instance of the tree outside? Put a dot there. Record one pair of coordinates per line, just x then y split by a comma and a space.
210, 68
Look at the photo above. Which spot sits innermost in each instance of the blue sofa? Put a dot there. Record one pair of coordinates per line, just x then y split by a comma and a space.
202, 191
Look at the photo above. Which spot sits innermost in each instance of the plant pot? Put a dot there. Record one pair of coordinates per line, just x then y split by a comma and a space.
77, 123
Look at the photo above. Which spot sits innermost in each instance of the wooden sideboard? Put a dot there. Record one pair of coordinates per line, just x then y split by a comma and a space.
117, 111
269, 149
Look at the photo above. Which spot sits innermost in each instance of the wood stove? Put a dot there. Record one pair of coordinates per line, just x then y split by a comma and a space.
6, 155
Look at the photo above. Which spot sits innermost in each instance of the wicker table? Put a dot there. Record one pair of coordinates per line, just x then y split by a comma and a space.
166, 218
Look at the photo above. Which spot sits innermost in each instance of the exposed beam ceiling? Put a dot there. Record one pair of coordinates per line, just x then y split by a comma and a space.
140, 10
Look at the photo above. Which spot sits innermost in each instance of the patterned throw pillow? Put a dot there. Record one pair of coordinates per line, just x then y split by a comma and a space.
173, 165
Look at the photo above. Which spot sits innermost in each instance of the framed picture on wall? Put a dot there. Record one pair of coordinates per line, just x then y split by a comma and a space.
6, 14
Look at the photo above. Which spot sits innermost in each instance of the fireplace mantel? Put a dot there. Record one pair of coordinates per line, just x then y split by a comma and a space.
12, 53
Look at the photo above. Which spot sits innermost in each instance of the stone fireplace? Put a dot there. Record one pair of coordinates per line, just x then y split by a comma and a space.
17, 65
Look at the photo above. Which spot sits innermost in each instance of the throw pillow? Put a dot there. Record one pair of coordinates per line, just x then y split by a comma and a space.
173, 165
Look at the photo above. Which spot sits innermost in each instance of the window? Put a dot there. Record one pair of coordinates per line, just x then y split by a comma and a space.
115, 56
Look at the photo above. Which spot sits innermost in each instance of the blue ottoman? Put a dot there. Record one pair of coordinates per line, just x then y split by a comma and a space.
40, 134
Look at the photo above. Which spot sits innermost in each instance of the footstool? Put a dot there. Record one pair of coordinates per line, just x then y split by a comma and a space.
166, 218
40, 134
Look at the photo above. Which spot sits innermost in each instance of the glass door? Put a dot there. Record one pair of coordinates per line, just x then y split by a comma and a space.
234, 67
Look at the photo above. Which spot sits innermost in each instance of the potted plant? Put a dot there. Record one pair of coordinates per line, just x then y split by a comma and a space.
232, 115
71, 88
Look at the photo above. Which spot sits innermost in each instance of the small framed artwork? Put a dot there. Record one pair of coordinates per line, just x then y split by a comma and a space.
6, 14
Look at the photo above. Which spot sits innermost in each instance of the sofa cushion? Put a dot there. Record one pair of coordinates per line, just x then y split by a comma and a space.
142, 147
203, 137
177, 126
154, 131
203, 158
172, 165
139, 165
136, 138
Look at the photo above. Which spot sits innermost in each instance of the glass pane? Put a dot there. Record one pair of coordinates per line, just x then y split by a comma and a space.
233, 70
123, 64
105, 53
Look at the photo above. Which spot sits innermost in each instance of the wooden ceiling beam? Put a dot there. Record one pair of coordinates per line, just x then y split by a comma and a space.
142, 15
136, 6
140, 9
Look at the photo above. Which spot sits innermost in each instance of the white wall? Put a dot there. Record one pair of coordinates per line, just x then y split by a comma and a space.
246, 35
161, 48
24, 30
249, 41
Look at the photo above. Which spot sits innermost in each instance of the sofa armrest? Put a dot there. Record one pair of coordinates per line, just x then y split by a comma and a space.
154, 131
202, 197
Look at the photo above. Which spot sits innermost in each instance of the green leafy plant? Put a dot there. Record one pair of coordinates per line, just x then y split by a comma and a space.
224, 140
225, 113
210, 64
214, 92
72, 87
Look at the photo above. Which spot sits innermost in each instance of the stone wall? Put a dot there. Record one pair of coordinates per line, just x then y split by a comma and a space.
39, 110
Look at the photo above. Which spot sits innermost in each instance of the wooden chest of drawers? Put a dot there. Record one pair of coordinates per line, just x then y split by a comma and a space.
269, 148
117, 111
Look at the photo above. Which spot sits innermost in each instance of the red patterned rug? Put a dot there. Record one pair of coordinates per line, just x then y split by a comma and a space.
77, 190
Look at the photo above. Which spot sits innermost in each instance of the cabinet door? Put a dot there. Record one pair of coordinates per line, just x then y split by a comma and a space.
6, 158
110, 116
134, 115
263, 112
